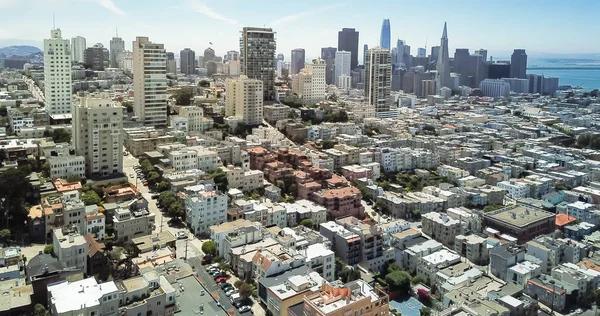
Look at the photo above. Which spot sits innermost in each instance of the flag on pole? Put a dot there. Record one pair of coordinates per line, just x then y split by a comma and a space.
210, 43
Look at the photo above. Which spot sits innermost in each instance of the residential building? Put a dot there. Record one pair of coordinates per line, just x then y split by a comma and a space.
78, 46
495, 88
84, 297
347, 244
352, 297
194, 116
321, 259
276, 112
522, 272
304, 209
97, 124
472, 247
431, 264
285, 293
257, 55
378, 79
309, 84
340, 202
550, 291
582, 211
205, 209
503, 257
64, 161
128, 224
150, 82
70, 247
374, 253
218, 233
244, 99
520, 222
441, 227
57, 75
187, 60
244, 180
342, 66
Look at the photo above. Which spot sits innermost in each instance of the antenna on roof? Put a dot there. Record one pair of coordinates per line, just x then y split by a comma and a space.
53, 22
117, 31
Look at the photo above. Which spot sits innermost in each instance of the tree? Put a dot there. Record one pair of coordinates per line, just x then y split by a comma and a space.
60, 135
49, 249
224, 265
349, 274
3, 111
13, 186
46, 169
175, 209
245, 289
327, 144
5, 236
167, 198
183, 96
417, 279
517, 113
241, 130
220, 178
209, 248
2, 155
491, 208
307, 222
204, 83
162, 186
293, 115
398, 281
73, 178
394, 266
91, 198
128, 105
40, 310
153, 178
425, 311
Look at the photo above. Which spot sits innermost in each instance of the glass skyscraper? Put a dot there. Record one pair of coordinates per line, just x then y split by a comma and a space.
385, 35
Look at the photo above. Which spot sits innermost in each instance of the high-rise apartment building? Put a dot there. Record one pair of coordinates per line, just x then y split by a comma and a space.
57, 74
171, 63
348, 41
365, 49
96, 128
233, 56
257, 54
297, 61
244, 99
117, 47
443, 64
386, 35
482, 52
310, 83
378, 79
187, 59
96, 57
78, 46
343, 61
518, 64
328, 55
150, 82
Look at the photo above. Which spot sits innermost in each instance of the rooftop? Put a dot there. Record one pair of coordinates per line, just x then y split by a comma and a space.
15, 294
518, 215
71, 296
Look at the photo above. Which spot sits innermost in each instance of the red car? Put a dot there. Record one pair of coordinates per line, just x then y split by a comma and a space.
221, 280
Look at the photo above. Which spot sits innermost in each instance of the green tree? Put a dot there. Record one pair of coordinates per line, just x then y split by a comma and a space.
167, 198
349, 274
293, 115
220, 178
91, 198
204, 83
209, 248
394, 266
40, 310
175, 209
46, 169
245, 289
241, 130
49, 249
398, 281
425, 311
417, 279
153, 178
307, 222
2, 155
128, 105
60, 135
73, 178
183, 96
162, 186
13, 186
517, 113
327, 144
491, 208
5, 236
224, 265
3, 111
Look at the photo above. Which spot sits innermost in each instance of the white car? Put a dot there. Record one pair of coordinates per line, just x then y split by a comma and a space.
244, 309
182, 235
230, 292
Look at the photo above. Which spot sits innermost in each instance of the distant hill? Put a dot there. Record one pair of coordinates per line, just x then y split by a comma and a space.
23, 50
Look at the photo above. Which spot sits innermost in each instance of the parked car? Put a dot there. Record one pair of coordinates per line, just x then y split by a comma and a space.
244, 309
181, 235
226, 286
217, 274
212, 270
230, 292
155, 196
221, 280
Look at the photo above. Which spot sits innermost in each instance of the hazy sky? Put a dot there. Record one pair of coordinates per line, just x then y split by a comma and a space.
541, 27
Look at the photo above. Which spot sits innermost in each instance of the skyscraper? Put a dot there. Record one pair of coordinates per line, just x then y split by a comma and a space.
244, 99
187, 60
378, 79
57, 74
150, 82
96, 57
97, 124
348, 41
117, 47
328, 55
482, 52
518, 64
443, 64
257, 55
461, 64
297, 60
421, 52
402, 55
386, 36
343, 60
365, 49
435, 51
78, 46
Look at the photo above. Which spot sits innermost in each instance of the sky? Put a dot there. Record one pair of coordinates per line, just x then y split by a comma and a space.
540, 27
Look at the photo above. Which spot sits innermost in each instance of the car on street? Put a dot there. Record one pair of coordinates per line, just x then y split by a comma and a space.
155, 196
221, 280
244, 309
212, 270
181, 235
131, 175
419, 226
206, 259
225, 286
230, 292
217, 274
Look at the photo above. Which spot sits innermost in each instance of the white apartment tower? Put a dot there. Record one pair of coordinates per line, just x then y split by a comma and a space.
378, 78
57, 74
150, 82
244, 99
97, 124
78, 47
341, 65
310, 82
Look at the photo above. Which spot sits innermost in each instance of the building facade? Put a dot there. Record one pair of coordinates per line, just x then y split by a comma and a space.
57, 74
378, 79
150, 82
257, 54
244, 99
187, 59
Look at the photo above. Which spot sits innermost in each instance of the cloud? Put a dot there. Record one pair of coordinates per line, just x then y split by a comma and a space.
111, 6
200, 7
297, 16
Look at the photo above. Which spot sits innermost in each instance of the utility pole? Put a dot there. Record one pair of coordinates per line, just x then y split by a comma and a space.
186, 244
161, 223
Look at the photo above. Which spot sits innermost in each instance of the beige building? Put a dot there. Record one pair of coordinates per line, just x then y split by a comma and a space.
97, 125
194, 116
244, 99
70, 247
310, 83
245, 180
276, 112
150, 82
472, 247
356, 296
141, 140
129, 224
440, 227
378, 78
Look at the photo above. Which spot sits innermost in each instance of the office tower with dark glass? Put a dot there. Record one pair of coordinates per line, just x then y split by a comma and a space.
117, 47
96, 57
443, 64
328, 55
386, 36
378, 79
482, 52
187, 60
518, 64
348, 41
257, 57
297, 60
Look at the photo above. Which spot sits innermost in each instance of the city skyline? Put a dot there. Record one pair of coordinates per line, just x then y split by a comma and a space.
308, 25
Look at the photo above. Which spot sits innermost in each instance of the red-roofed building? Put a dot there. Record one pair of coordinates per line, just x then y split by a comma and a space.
305, 189
62, 185
340, 202
259, 157
563, 220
